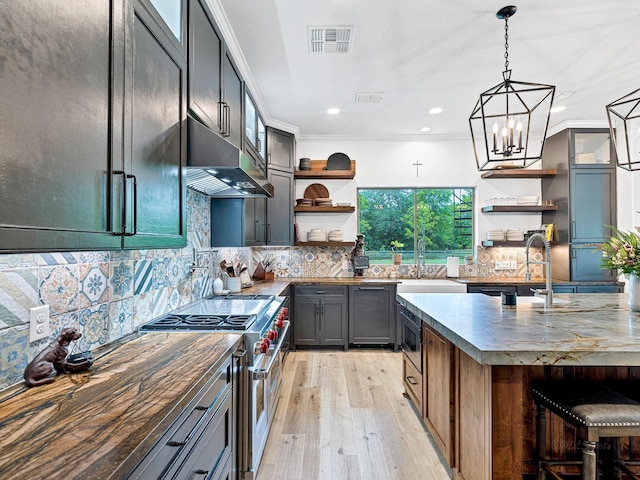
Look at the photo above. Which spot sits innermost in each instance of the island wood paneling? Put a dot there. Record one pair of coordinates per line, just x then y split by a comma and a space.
99, 423
473, 414
439, 398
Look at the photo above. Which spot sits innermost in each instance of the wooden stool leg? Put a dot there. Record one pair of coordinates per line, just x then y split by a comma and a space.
589, 464
541, 441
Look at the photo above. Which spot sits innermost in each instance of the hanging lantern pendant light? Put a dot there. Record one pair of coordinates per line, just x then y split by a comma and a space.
509, 122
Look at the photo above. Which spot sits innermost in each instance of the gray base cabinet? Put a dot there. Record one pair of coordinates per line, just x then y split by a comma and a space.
320, 316
202, 440
372, 319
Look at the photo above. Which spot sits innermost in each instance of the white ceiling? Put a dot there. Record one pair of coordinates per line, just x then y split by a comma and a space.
429, 53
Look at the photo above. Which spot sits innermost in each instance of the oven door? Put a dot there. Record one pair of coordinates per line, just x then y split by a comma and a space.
411, 337
265, 380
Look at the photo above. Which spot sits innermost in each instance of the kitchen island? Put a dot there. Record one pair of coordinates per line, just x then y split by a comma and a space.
480, 359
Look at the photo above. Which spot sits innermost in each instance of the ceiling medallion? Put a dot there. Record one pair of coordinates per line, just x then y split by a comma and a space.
509, 123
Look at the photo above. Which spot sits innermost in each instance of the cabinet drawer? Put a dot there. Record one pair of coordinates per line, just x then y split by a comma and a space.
412, 380
321, 290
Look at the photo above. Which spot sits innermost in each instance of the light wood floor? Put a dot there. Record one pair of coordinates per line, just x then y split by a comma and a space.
342, 415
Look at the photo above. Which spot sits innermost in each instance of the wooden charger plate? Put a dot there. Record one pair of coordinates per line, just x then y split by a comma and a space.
316, 190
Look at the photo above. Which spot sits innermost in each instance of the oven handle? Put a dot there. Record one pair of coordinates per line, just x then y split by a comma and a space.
263, 373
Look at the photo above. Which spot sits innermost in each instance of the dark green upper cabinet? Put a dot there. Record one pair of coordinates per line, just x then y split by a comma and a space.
92, 126
254, 133
232, 91
215, 85
58, 132
205, 60
154, 171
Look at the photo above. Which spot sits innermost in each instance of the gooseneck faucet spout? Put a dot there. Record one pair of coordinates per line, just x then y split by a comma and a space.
548, 291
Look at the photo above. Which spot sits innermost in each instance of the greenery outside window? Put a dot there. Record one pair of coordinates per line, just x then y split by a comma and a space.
426, 224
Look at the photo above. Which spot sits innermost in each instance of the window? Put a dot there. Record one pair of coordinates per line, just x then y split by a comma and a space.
432, 222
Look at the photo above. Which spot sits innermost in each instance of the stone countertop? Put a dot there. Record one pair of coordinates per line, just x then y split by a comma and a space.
99, 423
522, 281
586, 330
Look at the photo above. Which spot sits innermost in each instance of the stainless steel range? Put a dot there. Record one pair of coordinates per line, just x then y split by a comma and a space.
263, 319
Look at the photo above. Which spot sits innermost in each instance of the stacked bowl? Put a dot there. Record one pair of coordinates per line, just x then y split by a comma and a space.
335, 236
316, 235
323, 202
495, 235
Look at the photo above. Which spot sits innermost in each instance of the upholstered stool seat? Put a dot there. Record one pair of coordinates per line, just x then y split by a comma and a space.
595, 410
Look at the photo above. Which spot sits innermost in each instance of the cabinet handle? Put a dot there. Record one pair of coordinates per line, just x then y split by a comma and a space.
411, 380
239, 353
370, 288
258, 143
268, 233
125, 176
135, 206
573, 252
227, 117
221, 122
320, 292
322, 309
573, 229
268, 159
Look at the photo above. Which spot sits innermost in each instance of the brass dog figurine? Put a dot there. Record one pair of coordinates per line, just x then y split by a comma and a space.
51, 359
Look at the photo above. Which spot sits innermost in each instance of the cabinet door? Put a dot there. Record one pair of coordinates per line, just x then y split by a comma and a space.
599, 289
280, 150
60, 125
585, 264
254, 221
156, 207
333, 321
371, 314
205, 54
592, 204
280, 209
306, 326
439, 391
232, 101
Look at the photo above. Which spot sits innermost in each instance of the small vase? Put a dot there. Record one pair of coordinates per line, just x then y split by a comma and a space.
397, 258
634, 292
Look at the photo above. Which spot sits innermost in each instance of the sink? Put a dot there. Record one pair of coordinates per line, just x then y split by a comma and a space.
431, 285
538, 301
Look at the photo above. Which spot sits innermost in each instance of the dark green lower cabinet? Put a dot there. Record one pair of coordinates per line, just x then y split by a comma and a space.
372, 319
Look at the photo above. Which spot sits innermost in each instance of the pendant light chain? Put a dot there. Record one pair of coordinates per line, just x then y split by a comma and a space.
506, 44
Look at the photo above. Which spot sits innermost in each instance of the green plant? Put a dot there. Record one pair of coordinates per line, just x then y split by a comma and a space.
621, 252
396, 245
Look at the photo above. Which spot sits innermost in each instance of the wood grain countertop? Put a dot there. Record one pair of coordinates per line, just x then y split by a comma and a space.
99, 423
279, 285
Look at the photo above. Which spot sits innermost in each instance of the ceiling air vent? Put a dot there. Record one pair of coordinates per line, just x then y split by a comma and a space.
369, 97
330, 39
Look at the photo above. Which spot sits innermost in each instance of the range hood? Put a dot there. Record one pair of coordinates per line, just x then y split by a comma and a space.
219, 169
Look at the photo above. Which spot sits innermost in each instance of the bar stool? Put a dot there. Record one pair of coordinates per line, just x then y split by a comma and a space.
595, 410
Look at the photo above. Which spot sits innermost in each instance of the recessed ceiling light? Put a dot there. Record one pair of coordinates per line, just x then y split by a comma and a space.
333, 111
559, 108
425, 129
435, 110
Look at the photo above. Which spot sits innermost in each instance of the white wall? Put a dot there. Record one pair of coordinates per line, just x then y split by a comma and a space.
389, 164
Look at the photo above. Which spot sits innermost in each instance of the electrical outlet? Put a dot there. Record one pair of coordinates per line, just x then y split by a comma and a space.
502, 265
38, 323
514, 265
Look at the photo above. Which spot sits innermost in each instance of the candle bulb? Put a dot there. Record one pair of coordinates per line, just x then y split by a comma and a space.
511, 124
504, 140
519, 128
495, 137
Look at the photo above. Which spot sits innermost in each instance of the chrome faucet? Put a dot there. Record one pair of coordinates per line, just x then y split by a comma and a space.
421, 254
548, 291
